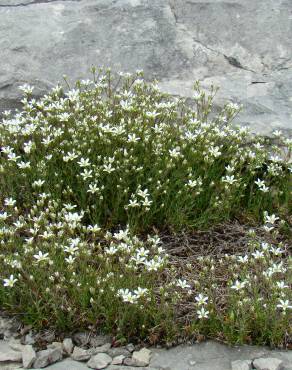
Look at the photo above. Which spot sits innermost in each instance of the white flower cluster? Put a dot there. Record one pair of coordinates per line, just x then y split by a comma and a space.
133, 154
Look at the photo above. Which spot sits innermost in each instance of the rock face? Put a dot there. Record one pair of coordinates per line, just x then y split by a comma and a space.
245, 47
99, 361
241, 365
28, 356
47, 357
268, 363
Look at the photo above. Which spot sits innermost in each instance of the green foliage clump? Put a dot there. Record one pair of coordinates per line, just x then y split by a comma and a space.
125, 153
84, 171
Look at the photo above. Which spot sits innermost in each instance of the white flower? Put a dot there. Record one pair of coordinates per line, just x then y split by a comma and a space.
73, 94
133, 203
70, 156
192, 183
13, 157
10, 281
27, 147
108, 168
152, 114
69, 207
132, 138
26, 88
232, 106
41, 256
140, 292
142, 252
284, 305
70, 260
71, 249
259, 183
86, 174
281, 284
10, 202
229, 168
93, 228
122, 234
182, 284
84, 162
271, 219
229, 179
23, 165
175, 153
93, 188
238, 285
64, 116
153, 265
268, 228
201, 299
215, 151
203, 313
242, 259
265, 246
276, 251
143, 193
126, 104
111, 250
277, 133
38, 183
73, 217
146, 202
3, 216
258, 254
264, 189
127, 296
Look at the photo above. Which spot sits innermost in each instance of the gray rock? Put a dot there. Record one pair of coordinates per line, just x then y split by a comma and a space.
15, 344
81, 338
57, 345
80, 354
251, 59
8, 327
121, 367
11, 366
28, 356
142, 357
28, 338
101, 349
241, 365
9, 355
118, 351
207, 355
99, 340
68, 345
118, 360
47, 357
68, 364
99, 361
268, 363
128, 361
130, 347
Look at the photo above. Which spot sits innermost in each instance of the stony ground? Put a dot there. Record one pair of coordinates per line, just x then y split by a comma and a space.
204, 356
245, 47
22, 348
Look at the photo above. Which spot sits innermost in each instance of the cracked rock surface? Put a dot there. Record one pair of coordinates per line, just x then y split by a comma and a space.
244, 47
